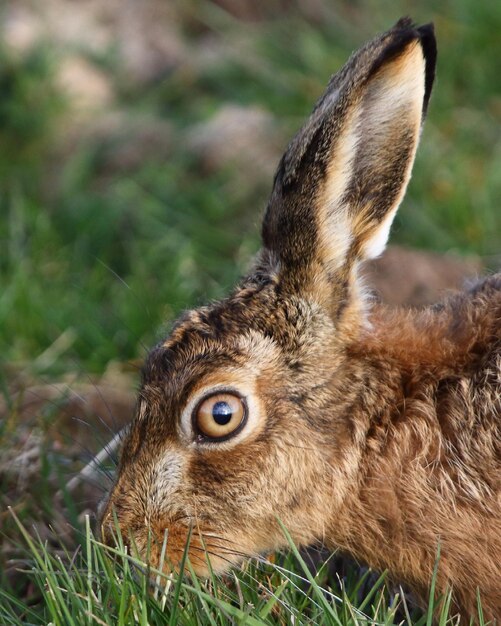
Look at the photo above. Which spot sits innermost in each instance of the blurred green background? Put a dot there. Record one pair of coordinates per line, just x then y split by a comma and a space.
138, 143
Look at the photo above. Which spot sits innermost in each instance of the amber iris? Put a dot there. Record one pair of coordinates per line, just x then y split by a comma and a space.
219, 415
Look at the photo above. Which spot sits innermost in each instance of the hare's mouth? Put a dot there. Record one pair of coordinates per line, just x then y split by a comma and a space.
204, 548
185, 545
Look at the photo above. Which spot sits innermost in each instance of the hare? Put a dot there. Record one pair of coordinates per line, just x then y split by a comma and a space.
297, 398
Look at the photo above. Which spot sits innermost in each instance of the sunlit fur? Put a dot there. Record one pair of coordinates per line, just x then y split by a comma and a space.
373, 430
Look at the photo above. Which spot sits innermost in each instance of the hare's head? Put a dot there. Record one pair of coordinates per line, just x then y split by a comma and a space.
244, 413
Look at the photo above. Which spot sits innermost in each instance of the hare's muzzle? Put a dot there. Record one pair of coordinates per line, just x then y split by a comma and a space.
162, 543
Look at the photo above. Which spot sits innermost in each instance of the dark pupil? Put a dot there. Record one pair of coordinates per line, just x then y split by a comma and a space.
221, 412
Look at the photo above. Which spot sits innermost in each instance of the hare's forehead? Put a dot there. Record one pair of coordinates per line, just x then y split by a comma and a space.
210, 342
179, 366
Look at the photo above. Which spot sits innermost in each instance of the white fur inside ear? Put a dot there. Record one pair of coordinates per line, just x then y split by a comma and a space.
388, 113
336, 238
336, 232
376, 244
394, 96
394, 103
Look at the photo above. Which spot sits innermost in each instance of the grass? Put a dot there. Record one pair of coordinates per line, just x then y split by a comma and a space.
101, 249
103, 585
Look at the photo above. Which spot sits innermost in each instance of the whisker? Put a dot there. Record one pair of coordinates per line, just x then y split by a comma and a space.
91, 468
98, 437
297, 447
87, 480
228, 551
291, 609
214, 554
134, 295
63, 395
110, 412
209, 533
285, 571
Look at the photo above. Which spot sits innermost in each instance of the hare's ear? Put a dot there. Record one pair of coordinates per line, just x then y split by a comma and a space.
340, 182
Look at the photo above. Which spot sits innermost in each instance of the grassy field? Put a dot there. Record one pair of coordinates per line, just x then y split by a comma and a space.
115, 217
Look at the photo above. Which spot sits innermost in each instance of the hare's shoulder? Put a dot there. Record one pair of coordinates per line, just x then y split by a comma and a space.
463, 332
475, 325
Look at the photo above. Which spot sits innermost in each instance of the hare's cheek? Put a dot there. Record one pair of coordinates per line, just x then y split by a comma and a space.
149, 492
167, 479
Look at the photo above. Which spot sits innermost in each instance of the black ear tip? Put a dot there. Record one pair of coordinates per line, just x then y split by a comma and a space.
429, 45
406, 29
404, 23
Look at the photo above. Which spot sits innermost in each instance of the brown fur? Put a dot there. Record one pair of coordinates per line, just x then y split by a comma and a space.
374, 430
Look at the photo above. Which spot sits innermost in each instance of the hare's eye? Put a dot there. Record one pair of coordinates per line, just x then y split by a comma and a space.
219, 416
